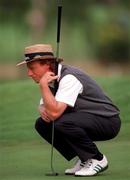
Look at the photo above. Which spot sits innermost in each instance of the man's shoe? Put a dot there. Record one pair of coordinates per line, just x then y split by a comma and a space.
78, 165
93, 167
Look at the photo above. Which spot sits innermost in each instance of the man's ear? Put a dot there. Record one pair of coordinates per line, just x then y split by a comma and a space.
51, 67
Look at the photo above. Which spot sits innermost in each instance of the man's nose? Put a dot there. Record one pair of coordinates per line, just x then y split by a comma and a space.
30, 73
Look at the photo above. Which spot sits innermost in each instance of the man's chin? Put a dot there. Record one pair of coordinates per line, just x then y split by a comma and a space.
36, 81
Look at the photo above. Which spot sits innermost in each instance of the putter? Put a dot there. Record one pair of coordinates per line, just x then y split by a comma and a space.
53, 173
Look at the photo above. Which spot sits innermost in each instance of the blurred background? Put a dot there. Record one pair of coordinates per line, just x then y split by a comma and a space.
95, 36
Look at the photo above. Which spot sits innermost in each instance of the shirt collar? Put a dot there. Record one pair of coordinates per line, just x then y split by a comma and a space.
59, 75
59, 71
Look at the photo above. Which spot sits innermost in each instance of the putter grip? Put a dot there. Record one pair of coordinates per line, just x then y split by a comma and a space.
59, 23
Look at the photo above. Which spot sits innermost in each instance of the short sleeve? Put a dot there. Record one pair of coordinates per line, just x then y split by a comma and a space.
69, 89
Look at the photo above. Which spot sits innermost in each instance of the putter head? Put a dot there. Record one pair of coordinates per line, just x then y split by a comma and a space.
52, 174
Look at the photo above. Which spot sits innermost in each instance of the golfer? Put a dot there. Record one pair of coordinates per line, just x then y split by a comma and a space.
82, 112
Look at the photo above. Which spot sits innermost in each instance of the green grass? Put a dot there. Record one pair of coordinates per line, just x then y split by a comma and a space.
24, 155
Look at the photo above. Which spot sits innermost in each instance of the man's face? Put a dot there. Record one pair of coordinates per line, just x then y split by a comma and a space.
35, 70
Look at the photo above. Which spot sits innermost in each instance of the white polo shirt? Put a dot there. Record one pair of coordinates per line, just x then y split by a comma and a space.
68, 90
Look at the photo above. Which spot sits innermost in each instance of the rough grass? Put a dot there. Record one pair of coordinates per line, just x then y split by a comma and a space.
24, 155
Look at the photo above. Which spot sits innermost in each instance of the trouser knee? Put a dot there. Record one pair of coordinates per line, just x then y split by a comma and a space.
38, 124
43, 128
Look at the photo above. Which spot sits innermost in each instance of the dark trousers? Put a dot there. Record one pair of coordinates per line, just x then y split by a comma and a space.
75, 133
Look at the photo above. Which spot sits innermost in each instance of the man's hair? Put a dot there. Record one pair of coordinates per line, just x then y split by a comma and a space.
50, 62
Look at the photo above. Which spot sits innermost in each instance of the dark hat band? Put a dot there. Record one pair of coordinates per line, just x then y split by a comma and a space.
29, 57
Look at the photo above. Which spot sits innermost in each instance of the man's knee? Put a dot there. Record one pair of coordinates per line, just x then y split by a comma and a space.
37, 124
42, 127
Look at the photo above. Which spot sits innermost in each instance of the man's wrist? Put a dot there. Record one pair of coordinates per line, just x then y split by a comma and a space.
43, 85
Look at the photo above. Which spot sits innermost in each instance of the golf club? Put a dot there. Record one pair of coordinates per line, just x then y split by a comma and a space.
53, 173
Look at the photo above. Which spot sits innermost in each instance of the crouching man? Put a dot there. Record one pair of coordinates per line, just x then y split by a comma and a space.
82, 112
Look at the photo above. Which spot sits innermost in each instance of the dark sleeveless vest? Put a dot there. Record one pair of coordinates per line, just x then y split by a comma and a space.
92, 99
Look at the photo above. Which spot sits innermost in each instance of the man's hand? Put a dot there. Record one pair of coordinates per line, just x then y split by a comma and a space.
47, 78
44, 114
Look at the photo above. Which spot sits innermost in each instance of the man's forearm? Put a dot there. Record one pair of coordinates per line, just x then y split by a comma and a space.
53, 108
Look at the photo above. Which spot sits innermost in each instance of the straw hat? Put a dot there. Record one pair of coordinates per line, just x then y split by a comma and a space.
38, 52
